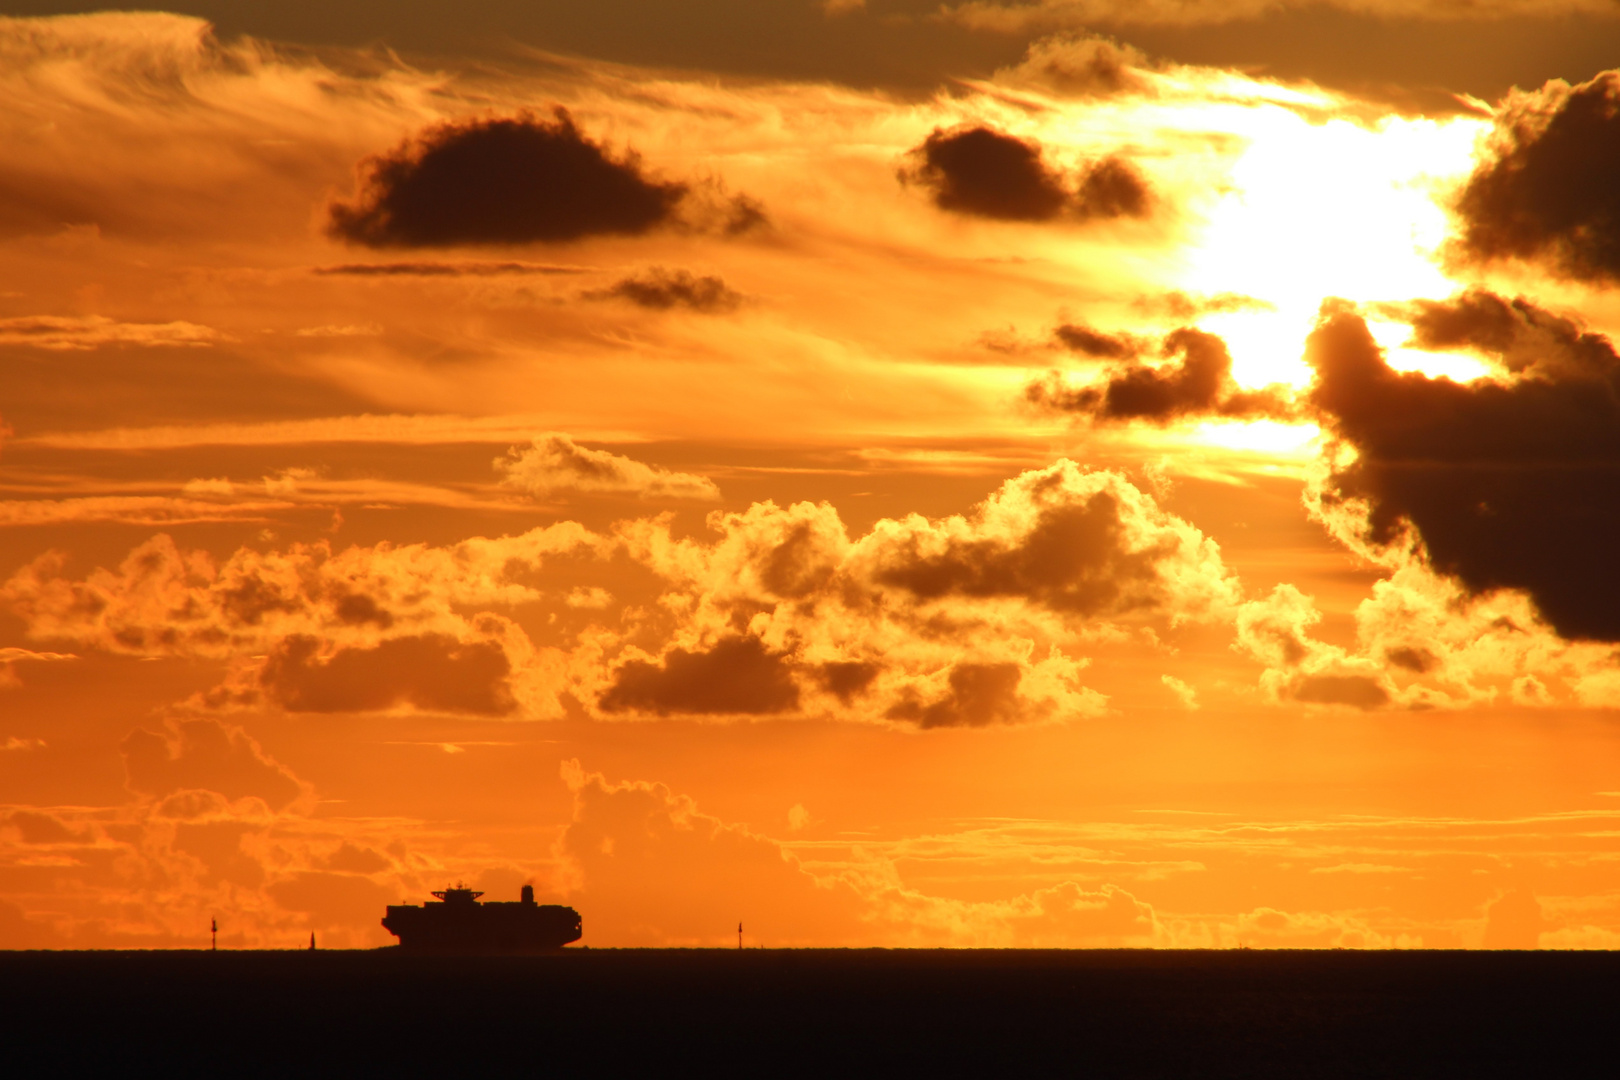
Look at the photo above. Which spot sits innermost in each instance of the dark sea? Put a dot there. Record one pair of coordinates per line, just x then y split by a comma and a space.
811, 1013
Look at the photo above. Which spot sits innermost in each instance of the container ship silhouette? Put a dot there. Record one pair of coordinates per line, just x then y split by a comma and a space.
458, 923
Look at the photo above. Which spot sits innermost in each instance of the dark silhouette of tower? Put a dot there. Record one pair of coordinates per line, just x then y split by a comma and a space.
213, 932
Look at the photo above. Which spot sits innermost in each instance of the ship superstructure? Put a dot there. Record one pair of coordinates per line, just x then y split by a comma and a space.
458, 923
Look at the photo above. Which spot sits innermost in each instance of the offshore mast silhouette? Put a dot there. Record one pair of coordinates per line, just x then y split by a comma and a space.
458, 923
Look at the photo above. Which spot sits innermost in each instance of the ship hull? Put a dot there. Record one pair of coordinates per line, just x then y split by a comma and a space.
486, 929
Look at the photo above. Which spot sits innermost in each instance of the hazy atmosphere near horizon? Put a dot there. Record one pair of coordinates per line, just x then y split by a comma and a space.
1061, 473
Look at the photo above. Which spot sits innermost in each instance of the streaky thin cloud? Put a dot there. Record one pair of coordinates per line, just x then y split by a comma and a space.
97, 331
413, 429
1038, 15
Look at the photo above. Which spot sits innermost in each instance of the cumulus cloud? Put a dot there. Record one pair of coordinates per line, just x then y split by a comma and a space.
1197, 382
1547, 188
1276, 631
1509, 483
662, 289
979, 171
953, 621
365, 628
501, 181
554, 463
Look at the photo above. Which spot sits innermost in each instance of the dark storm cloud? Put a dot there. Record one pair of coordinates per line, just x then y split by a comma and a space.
979, 695
1198, 383
1511, 484
1551, 189
986, 173
662, 289
504, 181
430, 671
738, 675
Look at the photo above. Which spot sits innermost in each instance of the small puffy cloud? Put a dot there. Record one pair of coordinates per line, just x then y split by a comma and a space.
206, 755
1549, 187
1196, 382
1080, 67
661, 290
555, 462
982, 172
501, 181
1504, 483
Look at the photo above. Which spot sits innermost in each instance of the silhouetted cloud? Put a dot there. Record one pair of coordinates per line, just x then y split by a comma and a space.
1524, 338
501, 181
1083, 339
554, 462
1509, 484
1548, 190
662, 289
1199, 383
977, 170
737, 675
428, 671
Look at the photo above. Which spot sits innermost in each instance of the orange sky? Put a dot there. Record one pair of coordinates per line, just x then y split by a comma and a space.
1078, 490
